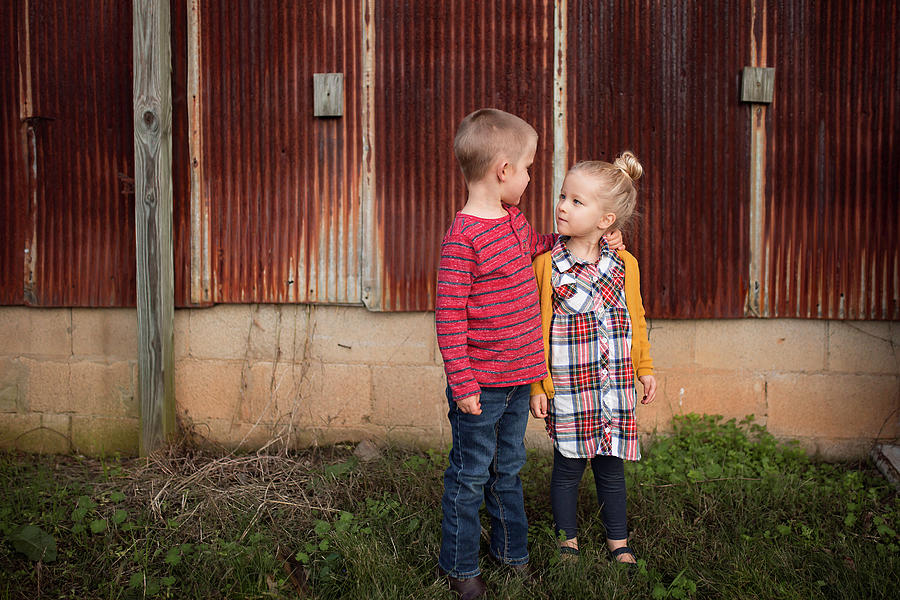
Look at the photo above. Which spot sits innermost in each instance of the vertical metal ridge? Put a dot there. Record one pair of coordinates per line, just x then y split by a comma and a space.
757, 305
76, 99
431, 71
371, 254
560, 85
13, 185
660, 80
200, 267
834, 221
283, 186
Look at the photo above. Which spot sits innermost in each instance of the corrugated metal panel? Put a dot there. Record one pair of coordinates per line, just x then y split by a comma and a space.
283, 186
435, 63
833, 161
12, 168
181, 172
662, 79
80, 140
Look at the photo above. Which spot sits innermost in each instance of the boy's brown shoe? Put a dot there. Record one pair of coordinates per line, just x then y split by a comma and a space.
467, 589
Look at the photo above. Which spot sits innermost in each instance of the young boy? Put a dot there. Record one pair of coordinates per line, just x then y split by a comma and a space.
489, 331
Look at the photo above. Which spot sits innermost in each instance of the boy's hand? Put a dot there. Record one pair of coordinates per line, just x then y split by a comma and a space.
539, 406
470, 405
615, 241
649, 382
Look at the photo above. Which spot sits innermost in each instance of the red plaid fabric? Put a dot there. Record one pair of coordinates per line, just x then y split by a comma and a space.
592, 411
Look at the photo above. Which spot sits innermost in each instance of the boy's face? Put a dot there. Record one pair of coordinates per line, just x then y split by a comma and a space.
580, 211
517, 178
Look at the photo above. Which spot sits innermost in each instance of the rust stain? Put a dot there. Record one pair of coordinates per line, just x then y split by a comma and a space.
200, 216
435, 63
181, 158
23, 33
832, 166
282, 186
288, 208
78, 106
756, 305
13, 184
662, 79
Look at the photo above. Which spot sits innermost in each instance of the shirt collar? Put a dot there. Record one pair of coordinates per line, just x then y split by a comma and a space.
565, 260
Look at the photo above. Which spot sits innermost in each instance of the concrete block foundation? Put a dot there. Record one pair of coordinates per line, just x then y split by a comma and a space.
250, 375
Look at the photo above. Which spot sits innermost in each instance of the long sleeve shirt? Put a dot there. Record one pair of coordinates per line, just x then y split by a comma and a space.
487, 312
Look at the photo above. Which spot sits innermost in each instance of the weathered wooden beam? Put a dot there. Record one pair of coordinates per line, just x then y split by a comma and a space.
201, 269
372, 256
560, 99
153, 220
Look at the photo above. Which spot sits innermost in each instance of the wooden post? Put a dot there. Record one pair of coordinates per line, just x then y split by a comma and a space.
756, 303
201, 291
372, 256
560, 99
153, 220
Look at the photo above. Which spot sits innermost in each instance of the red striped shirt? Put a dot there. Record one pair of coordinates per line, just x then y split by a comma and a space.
487, 312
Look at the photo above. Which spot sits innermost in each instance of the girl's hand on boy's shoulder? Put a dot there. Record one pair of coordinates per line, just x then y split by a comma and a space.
649, 382
615, 241
470, 405
539, 406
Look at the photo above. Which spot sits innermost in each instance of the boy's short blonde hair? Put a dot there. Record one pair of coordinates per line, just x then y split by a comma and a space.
487, 134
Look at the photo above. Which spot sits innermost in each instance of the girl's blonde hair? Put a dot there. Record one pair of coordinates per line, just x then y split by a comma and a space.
615, 184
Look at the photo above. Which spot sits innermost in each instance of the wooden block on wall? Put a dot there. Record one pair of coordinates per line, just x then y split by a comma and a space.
758, 85
328, 94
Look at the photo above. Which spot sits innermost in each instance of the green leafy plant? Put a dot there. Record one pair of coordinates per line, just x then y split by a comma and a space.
35, 543
718, 509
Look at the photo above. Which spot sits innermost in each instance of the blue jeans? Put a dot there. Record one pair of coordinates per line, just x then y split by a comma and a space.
488, 452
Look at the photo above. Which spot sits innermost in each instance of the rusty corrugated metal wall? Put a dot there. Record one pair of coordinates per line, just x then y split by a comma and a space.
282, 185
434, 64
12, 167
662, 80
181, 158
832, 241
75, 206
77, 104
284, 188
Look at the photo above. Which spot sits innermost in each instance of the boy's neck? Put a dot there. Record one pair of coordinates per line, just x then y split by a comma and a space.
586, 247
484, 201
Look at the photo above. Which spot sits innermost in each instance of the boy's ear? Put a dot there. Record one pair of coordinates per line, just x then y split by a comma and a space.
503, 169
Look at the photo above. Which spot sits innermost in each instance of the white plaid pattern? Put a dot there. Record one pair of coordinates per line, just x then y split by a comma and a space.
592, 411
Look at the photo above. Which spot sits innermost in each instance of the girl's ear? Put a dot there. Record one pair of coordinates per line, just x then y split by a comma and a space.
607, 220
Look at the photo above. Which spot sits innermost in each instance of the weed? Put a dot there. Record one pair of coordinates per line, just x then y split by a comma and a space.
717, 509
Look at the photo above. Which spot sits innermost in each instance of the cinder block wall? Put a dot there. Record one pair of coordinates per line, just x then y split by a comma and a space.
249, 374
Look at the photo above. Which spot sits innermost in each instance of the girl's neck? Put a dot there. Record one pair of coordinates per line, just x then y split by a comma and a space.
586, 247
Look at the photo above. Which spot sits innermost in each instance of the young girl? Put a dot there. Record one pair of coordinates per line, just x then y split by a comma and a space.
595, 340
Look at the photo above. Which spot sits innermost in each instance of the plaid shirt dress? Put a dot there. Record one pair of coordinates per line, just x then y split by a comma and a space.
592, 412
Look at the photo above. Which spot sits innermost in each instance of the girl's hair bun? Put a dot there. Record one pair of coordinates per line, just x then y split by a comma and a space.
628, 163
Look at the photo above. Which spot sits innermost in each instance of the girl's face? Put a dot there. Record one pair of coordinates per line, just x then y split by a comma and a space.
580, 211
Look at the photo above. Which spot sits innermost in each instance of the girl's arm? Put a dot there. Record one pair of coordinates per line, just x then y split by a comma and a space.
640, 341
542, 268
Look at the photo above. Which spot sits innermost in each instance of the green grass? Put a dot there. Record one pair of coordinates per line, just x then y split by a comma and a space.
718, 510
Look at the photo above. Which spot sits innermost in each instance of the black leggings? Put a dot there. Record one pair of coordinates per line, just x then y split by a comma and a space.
609, 475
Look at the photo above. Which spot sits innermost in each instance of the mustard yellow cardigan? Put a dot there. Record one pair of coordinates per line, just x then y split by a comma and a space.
640, 345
